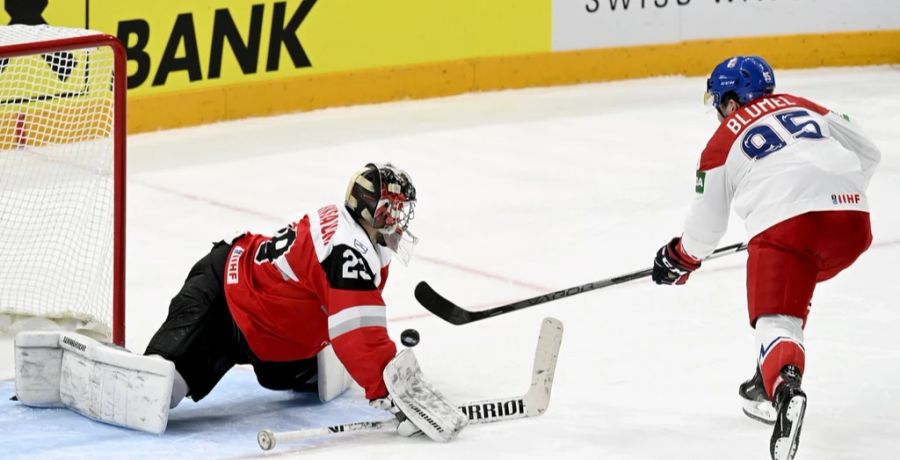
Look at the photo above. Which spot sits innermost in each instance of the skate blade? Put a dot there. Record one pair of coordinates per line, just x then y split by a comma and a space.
761, 411
786, 447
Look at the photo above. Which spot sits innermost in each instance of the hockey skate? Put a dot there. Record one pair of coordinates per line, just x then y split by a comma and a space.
790, 401
755, 402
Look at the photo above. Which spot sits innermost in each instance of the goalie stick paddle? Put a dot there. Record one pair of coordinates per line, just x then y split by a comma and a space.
531, 404
537, 399
454, 314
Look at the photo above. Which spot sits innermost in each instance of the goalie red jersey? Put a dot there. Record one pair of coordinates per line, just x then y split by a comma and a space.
315, 282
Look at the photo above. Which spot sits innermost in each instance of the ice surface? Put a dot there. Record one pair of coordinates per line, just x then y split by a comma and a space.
521, 192
224, 425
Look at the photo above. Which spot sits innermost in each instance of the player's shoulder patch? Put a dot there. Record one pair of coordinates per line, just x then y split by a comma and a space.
700, 184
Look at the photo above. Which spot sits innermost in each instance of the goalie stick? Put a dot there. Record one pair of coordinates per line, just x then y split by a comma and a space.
531, 404
454, 314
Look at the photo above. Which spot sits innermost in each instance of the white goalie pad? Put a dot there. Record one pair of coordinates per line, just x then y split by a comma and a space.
425, 407
333, 378
38, 359
99, 381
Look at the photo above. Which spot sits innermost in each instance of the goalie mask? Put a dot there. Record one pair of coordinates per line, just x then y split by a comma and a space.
384, 197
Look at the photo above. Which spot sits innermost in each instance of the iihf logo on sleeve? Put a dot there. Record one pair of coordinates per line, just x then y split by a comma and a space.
845, 198
231, 274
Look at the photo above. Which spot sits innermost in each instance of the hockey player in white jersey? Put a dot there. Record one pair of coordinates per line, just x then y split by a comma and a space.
797, 174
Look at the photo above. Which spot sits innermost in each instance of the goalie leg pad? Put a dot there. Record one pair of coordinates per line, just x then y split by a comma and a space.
424, 406
102, 382
333, 377
38, 360
111, 385
65, 369
114, 386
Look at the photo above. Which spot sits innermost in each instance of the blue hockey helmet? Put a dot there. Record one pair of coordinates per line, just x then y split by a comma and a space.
748, 77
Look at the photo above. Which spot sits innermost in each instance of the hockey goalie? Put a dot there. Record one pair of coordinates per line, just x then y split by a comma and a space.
303, 307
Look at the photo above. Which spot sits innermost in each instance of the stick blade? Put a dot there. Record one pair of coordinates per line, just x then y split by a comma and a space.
441, 307
545, 356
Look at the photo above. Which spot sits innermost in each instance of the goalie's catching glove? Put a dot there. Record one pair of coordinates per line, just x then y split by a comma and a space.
672, 264
406, 427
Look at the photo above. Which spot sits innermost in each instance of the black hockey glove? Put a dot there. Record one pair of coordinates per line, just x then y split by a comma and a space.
406, 427
672, 265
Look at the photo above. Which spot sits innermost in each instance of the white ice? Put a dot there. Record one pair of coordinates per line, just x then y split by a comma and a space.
521, 193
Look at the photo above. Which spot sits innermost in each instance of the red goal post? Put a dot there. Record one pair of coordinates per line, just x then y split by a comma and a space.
62, 179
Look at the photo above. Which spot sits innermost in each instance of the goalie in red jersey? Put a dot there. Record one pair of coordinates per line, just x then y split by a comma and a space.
276, 302
303, 307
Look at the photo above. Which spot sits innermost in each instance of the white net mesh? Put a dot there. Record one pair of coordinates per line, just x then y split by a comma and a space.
56, 179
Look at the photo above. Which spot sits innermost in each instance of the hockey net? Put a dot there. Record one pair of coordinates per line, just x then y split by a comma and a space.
62, 164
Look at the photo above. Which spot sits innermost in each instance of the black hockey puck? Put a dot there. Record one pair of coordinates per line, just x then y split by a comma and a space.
409, 337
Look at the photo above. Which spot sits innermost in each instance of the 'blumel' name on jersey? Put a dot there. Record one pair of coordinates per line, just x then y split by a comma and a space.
753, 111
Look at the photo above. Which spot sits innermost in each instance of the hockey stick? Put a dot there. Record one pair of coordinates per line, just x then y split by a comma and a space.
531, 404
537, 399
267, 438
454, 314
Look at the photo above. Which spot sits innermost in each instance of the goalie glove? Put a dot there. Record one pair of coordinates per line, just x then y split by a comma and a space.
672, 264
406, 427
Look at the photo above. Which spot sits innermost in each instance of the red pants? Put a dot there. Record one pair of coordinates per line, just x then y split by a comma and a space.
788, 259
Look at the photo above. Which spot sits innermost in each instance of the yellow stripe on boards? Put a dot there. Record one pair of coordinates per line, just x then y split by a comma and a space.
695, 58
798, 51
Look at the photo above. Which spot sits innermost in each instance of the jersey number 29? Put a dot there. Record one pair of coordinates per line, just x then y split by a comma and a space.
355, 267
